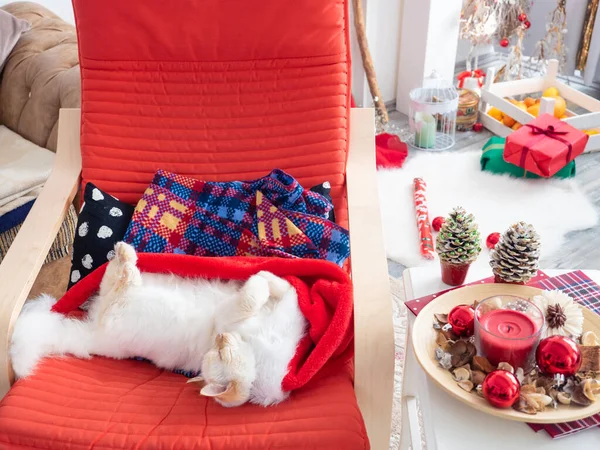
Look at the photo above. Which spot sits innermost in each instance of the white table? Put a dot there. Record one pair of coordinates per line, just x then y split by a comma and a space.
451, 425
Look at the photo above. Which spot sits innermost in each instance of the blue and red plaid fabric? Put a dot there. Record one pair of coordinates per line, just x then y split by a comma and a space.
587, 293
270, 216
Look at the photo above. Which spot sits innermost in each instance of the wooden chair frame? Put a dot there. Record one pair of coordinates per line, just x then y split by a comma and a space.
374, 335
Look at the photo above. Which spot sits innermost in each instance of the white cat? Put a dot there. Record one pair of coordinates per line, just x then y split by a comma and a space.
240, 336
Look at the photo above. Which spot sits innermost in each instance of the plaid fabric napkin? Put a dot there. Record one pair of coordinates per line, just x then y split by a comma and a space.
576, 284
270, 216
415, 306
587, 293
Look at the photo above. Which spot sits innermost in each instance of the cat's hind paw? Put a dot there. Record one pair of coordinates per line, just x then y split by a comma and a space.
277, 285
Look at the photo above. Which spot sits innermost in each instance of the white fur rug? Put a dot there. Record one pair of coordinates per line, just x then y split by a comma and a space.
553, 207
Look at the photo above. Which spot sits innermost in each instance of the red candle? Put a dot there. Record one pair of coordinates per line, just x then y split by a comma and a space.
507, 335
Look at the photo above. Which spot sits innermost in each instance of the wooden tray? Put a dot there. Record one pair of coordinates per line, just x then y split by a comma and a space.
423, 339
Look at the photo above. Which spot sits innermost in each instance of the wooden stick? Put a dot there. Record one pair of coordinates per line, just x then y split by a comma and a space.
361, 37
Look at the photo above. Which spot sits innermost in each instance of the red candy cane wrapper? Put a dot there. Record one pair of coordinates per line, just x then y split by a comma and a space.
423, 225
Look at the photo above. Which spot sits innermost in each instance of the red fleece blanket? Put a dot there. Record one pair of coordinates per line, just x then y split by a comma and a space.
324, 296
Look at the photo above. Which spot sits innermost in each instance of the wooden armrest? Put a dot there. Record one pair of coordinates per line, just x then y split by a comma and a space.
373, 326
29, 249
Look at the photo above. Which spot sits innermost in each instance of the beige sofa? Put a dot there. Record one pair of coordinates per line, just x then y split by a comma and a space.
41, 76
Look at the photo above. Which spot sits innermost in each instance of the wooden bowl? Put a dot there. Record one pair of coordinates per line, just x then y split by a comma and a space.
423, 339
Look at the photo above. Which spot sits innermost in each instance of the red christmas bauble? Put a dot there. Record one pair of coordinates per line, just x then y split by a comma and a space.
504, 42
437, 223
462, 320
501, 389
492, 240
527, 24
478, 127
522, 17
558, 355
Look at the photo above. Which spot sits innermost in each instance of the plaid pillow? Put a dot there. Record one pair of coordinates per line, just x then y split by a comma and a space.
271, 216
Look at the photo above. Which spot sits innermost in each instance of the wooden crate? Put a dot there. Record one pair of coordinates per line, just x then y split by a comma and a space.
494, 94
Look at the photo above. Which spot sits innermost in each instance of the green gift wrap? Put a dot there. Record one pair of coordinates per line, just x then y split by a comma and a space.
492, 160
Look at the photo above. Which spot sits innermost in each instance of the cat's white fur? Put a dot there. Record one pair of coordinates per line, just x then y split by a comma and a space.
241, 336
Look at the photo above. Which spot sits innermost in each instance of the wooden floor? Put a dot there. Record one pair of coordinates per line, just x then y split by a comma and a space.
582, 248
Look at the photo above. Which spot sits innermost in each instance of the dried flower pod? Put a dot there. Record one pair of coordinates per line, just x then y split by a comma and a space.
528, 389
441, 318
462, 374
590, 338
522, 405
591, 388
563, 398
506, 366
546, 382
462, 353
520, 374
466, 385
477, 377
441, 340
481, 363
443, 358
578, 396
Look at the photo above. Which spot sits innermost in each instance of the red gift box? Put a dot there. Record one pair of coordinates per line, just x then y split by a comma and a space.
544, 145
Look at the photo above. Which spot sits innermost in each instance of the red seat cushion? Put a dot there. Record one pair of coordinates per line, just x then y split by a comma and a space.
217, 90
110, 404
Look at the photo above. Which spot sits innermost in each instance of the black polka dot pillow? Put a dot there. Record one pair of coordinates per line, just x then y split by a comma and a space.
102, 223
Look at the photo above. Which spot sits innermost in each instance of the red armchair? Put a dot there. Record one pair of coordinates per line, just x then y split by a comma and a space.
218, 90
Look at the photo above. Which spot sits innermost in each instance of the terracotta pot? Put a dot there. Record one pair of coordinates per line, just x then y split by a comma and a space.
454, 274
497, 279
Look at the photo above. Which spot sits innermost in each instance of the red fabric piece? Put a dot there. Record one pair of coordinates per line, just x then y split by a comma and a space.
390, 151
215, 90
325, 298
544, 153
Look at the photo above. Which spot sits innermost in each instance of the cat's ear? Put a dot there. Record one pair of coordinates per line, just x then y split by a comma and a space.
232, 393
215, 390
199, 380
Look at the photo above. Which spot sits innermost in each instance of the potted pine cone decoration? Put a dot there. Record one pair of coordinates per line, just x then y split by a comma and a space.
515, 258
458, 246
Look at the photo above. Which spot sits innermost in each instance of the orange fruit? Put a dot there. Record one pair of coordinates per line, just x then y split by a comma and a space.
560, 107
496, 114
534, 110
551, 92
516, 126
509, 121
529, 102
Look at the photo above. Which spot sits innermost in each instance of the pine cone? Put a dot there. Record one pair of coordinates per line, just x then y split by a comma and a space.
458, 240
516, 256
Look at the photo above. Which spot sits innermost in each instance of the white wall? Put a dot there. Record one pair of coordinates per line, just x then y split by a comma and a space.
383, 18
62, 8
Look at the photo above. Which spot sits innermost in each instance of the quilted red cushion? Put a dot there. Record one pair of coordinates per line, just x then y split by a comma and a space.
218, 90
72, 404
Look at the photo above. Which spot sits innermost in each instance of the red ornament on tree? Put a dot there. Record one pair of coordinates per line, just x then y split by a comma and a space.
504, 42
492, 240
558, 355
522, 17
462, 320
527, 24
501, 389
437, 223
478, 127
